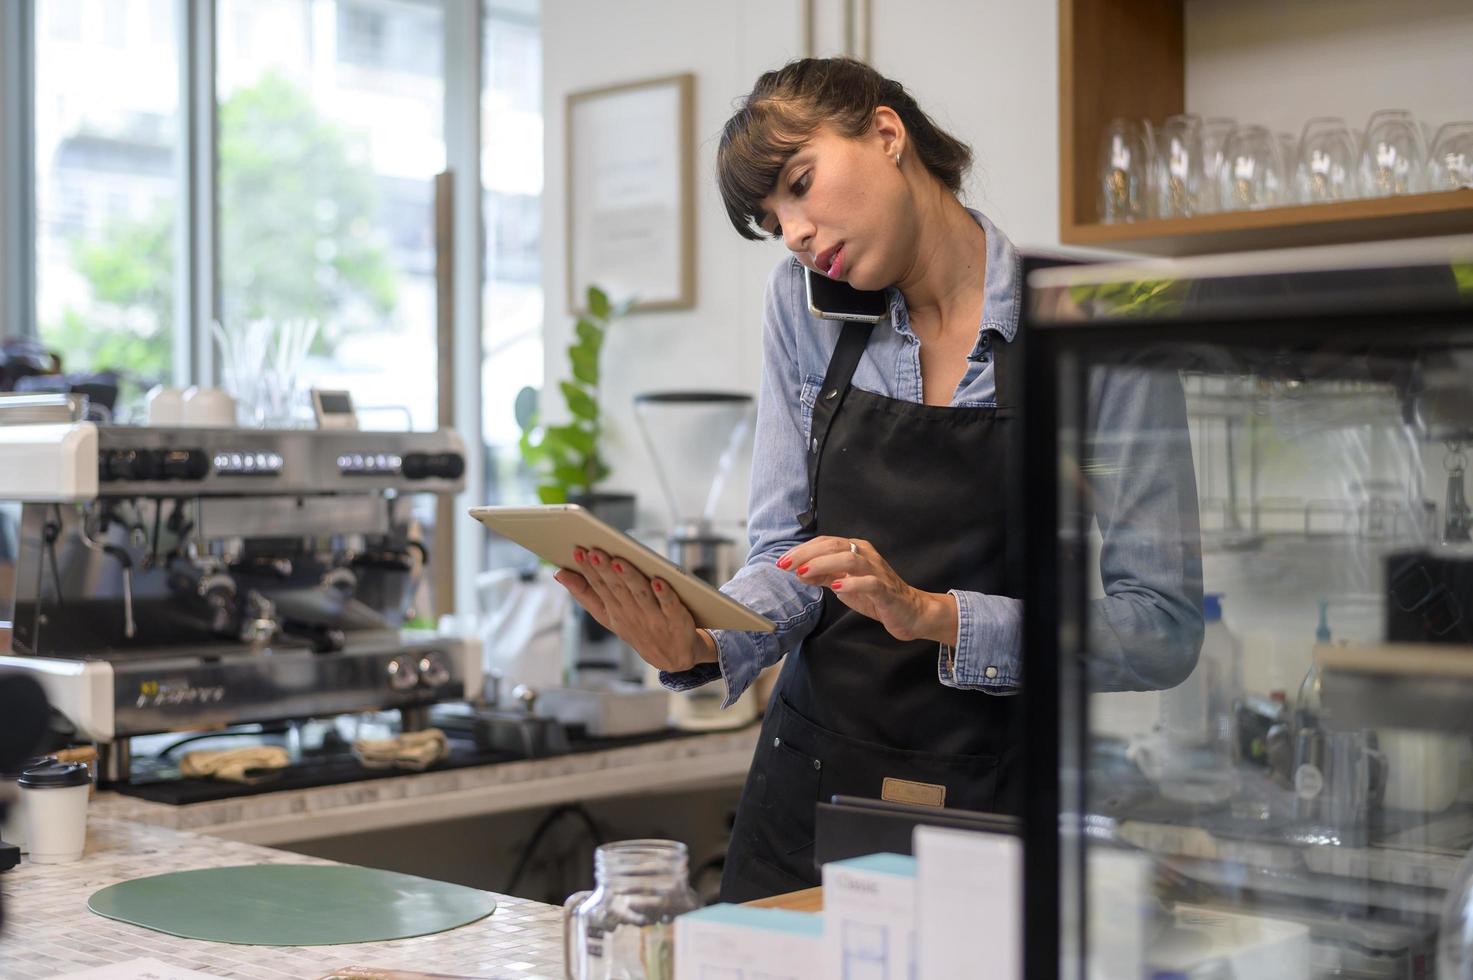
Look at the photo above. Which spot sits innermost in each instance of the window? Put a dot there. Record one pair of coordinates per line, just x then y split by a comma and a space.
329, 143
511, 178
107, 188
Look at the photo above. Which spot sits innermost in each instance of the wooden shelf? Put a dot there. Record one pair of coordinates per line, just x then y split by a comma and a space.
1127, 58
1446, 213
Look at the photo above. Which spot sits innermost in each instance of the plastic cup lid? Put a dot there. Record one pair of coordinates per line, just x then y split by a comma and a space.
39, 760
55, 774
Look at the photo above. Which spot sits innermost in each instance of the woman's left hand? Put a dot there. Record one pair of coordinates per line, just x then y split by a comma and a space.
865, 582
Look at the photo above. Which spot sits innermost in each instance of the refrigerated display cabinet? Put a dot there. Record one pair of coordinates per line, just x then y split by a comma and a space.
1248, 682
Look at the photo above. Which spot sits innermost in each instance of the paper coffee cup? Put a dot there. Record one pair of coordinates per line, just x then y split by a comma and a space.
13, 829
54, 797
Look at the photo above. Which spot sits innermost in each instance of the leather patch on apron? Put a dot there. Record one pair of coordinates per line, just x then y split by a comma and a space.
916, 794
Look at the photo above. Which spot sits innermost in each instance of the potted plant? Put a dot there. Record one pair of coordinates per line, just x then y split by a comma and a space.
567, 459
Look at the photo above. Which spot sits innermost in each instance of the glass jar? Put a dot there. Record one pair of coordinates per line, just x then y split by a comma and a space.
624, 928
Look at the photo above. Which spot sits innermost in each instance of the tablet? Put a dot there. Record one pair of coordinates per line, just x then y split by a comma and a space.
552, 531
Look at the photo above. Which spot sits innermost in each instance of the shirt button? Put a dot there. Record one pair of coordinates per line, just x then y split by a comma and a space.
991, 672
813, 446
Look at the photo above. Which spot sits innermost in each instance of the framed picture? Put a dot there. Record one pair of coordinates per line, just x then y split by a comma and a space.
631, 196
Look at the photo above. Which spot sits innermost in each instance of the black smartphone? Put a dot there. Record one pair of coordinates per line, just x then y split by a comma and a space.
834, 299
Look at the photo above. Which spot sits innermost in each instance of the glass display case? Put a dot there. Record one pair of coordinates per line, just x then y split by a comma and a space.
1249, 616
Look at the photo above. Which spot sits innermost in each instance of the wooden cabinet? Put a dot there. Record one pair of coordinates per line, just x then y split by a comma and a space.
1128, 58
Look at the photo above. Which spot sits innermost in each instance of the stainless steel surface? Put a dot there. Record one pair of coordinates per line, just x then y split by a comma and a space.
26, 409
114, 761
229, 576
228, 517
170, 693
709, 556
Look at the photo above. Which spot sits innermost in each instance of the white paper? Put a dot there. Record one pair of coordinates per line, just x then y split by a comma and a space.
145, 969
969, 885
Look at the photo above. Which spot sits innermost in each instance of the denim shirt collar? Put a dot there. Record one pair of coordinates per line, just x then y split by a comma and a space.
1000, 304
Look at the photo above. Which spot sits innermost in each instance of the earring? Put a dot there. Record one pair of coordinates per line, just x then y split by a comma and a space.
897, 159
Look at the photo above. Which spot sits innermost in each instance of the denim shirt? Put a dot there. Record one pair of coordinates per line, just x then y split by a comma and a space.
1144, 632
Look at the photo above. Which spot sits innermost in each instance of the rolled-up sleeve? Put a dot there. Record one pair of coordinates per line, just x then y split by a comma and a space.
988, 654
1146, 630
779, 492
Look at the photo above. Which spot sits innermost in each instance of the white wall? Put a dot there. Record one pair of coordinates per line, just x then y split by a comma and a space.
985, 69
1281, 62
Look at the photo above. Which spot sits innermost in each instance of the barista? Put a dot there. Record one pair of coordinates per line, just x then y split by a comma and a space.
878, 516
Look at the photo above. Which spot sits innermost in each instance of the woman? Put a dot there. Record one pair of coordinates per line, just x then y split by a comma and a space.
877, 518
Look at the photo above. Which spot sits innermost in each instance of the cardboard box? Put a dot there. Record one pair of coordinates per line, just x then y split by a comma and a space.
741, 942
869, 913
969, 904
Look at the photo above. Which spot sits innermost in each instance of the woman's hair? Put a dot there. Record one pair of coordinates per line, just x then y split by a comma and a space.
786, 107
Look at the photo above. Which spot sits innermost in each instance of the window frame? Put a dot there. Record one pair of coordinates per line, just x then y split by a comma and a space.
197, 269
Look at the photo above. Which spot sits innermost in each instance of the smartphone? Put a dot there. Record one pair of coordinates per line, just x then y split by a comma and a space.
834, 299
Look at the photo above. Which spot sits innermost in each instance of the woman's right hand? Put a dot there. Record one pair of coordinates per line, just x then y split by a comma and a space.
645, 613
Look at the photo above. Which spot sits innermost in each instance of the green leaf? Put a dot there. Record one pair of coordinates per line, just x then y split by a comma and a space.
580, 402
575, 437
551, 493
598, 302
532, 453
525, 408
570, 475
556, 449
589, 334
585, 365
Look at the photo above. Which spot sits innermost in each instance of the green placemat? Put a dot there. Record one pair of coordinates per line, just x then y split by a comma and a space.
292, 904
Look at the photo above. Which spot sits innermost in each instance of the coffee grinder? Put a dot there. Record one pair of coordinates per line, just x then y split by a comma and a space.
694, 439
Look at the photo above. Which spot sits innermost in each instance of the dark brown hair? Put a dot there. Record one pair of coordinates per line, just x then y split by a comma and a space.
787, 106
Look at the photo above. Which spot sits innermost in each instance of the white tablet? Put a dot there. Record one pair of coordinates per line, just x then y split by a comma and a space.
552, 531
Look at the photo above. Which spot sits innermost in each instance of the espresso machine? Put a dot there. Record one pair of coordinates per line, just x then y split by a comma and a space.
188, 579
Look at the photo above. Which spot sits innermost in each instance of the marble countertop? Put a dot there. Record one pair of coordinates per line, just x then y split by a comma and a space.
49, 931
692, 762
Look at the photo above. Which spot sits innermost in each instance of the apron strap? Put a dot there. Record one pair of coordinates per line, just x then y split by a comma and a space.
830, 397
1007, 380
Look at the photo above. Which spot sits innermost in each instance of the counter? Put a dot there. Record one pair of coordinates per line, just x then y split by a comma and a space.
49, 931
686, 763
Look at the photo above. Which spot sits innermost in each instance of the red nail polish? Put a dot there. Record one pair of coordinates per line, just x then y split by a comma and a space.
618, 567
577, 554
802, 569
594, 559
659, 587
837, 586
784, 561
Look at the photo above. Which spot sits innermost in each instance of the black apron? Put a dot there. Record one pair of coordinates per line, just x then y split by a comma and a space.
856, 711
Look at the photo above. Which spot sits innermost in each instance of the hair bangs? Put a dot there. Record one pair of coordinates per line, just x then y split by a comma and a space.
756, 144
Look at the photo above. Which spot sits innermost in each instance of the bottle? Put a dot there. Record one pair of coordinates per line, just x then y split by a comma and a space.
1198, 727
1308, 708
1198, 712
1222, 661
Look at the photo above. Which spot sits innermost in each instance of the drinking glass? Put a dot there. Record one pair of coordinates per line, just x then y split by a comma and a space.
1392, 160
1177, 167
1326, 163
1450, 164
1288, 153
1252, 174
1123, 172
1215, 132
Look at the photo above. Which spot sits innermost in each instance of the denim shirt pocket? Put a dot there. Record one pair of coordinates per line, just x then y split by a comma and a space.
806, 399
